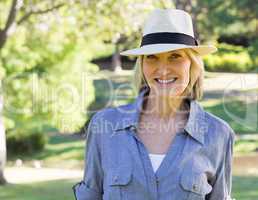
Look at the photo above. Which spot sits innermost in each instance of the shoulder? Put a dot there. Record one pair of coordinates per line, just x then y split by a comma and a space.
111, 113
111, 117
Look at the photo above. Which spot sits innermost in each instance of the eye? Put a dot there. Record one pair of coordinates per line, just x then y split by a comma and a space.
151, 57
175, 55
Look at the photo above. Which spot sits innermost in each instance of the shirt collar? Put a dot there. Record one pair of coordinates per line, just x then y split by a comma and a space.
196, 125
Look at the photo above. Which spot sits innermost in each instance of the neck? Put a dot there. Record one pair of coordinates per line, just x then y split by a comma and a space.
164, 107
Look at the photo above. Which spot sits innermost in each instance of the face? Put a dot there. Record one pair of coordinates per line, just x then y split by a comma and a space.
167, 73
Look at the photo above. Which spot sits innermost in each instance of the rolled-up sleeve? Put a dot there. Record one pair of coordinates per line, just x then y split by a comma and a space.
222, 184
91, 186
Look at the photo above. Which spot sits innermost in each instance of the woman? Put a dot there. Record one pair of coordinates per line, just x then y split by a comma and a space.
163, 145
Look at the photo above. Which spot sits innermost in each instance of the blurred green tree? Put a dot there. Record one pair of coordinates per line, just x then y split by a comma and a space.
212, 18
43, 68
20, 11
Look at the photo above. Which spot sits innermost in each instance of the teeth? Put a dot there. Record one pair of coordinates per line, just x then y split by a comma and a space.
166, 81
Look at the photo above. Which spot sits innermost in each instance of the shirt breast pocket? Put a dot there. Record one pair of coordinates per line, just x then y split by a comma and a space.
118, 181
196, 185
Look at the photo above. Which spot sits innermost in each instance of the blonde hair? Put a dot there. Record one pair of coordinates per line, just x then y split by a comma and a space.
194, 89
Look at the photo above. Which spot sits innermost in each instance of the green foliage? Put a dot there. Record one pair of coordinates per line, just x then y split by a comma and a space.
46, 74
224, 48
253, 51
25, 141
229, 58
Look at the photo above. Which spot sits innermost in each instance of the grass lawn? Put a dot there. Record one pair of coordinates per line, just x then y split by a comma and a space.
241, 116
245, 187
239, 110
48, 190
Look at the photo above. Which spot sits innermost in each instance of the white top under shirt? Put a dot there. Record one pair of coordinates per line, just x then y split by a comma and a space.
156, 160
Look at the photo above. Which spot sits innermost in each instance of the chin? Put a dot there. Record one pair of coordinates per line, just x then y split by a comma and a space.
168, 94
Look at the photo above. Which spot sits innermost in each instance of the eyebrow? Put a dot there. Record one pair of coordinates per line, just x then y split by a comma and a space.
170, 53
174, 52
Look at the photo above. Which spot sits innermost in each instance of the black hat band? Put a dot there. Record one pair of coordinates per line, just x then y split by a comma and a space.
168, 38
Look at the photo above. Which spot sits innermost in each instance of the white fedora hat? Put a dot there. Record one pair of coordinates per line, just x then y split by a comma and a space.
167, 30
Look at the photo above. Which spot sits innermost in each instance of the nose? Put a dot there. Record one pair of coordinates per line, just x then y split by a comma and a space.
163, 70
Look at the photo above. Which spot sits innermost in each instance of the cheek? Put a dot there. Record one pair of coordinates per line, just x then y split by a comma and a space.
186, 75
147, 71
185, 72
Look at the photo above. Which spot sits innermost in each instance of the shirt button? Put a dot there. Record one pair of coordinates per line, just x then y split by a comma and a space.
115, 178
131, 128
195, 187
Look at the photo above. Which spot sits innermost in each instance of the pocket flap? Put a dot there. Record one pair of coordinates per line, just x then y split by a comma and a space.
119, 177
83, 192
195, 182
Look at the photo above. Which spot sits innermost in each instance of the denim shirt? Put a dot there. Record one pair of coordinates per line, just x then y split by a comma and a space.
197, 166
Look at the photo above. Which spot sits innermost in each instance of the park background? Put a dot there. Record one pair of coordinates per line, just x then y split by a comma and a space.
60, 63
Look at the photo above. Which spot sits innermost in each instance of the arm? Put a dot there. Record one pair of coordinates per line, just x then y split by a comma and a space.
91, 186
222, 184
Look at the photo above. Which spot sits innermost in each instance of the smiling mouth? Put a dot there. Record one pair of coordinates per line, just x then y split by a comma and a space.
165, 82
